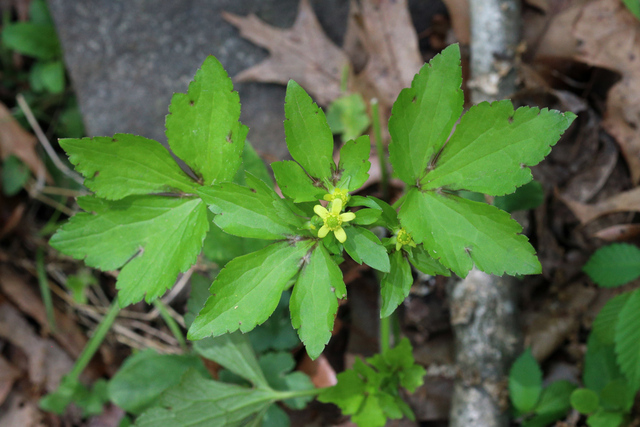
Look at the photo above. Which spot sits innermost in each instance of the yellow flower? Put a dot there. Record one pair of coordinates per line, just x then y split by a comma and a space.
404, 238
333, 219
338, 193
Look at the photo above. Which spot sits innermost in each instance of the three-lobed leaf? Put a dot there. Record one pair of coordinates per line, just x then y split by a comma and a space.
250, 211
125, 165
234, 352
614, 265
424, 114
144, 376
314, 301
203, 127
248, 289
200, 401
307, 133
460, 233
153, 238
353, 167
492, 147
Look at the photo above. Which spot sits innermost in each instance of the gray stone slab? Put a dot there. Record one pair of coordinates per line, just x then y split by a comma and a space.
127, 57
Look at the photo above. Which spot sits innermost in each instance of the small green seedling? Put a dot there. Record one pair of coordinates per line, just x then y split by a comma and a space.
149, 218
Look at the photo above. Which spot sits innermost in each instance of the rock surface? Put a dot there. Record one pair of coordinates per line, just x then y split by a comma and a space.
127, 57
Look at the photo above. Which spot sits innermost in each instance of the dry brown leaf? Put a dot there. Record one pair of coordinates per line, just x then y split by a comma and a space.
381, 28
460, 21
8, 375
319, 370
47, 362
610, 37
302, 53
619, 232
21, 410
386, 32
16, 141
549, 35
67, 333
548, 329
623, 202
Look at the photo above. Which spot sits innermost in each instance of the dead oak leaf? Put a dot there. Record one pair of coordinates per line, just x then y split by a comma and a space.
610, 38
303, 53
628, 201
385, 30
381, 29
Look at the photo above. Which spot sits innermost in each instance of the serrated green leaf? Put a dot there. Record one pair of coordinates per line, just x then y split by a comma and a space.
525, 382
72, 391
364, 246
275, 417
198, 295
555, 399
585, 401
252, 163
295, 183
144, 376
347, 394
277, 368
152, 238
371, 414
276, 333
36, 40
248, 289
220, 247
348, 116
604, 325
541, 420
353, 167
614, 265
460, 233
633, 6
424, 114
604, 418
14, 175
529, 196
199, 402
250, 211
627, 340
47, 76
307, 133
366, 216
420, 259
395, 285
125, 165
203, 127
600, 366
617, 396
314, 301
233, 352
492, 146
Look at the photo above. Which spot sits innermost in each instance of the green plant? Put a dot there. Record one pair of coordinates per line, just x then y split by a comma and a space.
538, 406
149, 219
611, 374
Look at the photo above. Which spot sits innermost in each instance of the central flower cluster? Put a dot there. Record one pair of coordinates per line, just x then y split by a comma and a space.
333, 219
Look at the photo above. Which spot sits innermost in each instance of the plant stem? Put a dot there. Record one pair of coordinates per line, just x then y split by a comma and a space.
377, 132
284, 395
385, 333
172, 324
45, 291
95, 341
